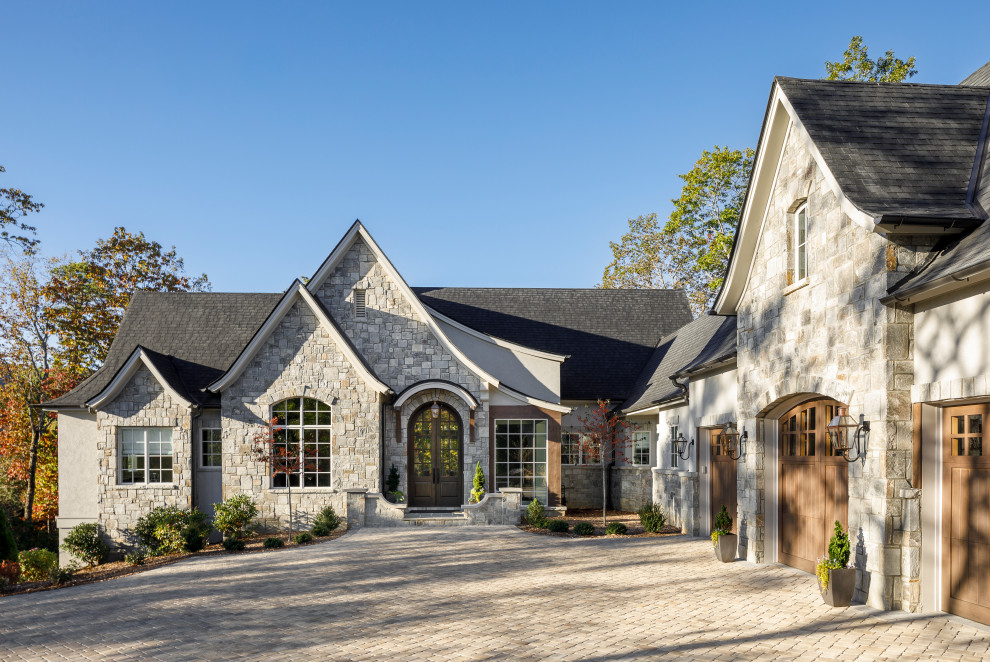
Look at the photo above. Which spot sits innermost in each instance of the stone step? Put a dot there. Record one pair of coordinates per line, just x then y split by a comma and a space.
428, 514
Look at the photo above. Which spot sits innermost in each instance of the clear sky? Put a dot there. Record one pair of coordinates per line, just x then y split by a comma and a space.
483, 144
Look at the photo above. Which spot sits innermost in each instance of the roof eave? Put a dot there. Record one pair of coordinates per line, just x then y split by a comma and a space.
942, 285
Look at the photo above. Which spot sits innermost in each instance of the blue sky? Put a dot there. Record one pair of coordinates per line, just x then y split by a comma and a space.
483, 144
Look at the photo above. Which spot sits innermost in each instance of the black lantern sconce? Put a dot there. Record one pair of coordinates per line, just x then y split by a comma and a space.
845, 432
732, 441
682, 446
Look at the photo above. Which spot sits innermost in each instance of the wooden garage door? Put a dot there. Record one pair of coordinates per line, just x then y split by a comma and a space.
966, 513
723, 482
813, 489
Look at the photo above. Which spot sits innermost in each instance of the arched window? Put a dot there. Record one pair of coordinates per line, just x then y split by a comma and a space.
302, 428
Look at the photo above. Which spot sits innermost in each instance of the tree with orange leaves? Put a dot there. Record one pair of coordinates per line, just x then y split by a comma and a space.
604, 439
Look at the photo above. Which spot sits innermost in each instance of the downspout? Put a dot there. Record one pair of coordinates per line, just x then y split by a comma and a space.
195, 411
382, 440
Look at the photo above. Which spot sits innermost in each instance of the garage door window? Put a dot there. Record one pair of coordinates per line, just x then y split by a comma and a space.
967, 434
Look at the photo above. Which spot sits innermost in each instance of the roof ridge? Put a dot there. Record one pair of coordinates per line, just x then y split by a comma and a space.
901, 84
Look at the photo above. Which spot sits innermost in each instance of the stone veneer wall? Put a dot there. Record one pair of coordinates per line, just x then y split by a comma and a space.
141, 403
832, 337
401, 349
632, 487
677, 492
301, 359
581, 485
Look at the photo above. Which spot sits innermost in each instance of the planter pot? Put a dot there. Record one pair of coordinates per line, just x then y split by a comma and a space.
841, 586
725, 548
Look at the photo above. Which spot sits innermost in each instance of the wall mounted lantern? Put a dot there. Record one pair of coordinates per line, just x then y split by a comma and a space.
435, 409
732, 441
682, 446
845, 432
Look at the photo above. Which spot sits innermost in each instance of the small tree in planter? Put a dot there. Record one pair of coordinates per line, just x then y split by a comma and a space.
392, 486
604, 439
478, 492
836, 578
271, 445
723, 539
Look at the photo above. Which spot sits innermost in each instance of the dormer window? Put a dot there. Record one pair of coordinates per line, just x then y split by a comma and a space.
360, 298
801, 243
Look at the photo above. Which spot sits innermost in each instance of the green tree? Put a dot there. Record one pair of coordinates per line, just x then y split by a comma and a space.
15, 204
89, 295
691, 250
857, 65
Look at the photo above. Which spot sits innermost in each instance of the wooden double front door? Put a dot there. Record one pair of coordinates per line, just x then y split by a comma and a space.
813, 491
966, 512
435, 458
723, 478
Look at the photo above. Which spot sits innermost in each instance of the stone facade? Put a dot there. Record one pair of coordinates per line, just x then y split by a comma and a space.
299, 359
581, 485
143, 402
632, 487
830, 335
677, 492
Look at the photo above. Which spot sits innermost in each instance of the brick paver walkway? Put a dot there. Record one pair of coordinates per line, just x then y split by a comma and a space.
475, 594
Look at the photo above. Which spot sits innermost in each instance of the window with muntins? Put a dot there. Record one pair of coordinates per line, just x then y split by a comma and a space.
570, 448
801, 242
303, 443
641, 448
521, 456
145, 455
209, 448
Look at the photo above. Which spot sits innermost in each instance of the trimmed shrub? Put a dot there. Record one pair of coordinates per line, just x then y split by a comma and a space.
274, 543
478, 491
325, 522
722, 525
558, 526
652, 517
135, 558
37, 564
59, 576
168, 529
584, 529
535, 514
303, 538
233, 514
838, 546
86, 544
8, 546
10, 572
393, 479
615, 529
233, 544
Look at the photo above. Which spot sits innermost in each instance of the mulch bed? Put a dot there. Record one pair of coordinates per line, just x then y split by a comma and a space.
633, 528
114, 569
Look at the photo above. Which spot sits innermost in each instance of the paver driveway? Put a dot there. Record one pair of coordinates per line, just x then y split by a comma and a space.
432, 593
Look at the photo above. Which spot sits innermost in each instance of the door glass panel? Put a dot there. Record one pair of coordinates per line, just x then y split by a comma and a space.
422, 441
958, 425
449, 443
958, 446
976, 445
976, 423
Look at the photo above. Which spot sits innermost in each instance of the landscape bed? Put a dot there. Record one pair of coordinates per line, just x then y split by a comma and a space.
634, 529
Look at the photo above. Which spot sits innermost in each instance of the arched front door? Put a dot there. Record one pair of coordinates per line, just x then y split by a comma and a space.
435, 458
814, 485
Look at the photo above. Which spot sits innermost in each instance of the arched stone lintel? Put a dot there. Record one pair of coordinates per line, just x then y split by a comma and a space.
802, 385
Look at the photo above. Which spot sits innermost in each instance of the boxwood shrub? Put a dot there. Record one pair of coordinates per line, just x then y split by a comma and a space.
584, 529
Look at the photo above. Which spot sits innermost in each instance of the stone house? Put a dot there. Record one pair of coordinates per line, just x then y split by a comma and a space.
363, 373
859, 278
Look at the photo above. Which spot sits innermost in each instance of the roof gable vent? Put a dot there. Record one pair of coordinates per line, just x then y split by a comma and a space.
360, 298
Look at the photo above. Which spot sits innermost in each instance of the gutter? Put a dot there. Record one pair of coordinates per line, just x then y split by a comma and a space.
977, 271
714, 364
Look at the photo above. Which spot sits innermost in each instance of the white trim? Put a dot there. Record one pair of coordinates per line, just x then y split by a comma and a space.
655, 409
138, 357
464, 394
543, 404
358, 231
515, 347
296, 290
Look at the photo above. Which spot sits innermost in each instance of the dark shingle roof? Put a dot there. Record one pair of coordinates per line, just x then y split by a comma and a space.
979, 78
967, 254
896, 149
705, 341
192, 338
608, 334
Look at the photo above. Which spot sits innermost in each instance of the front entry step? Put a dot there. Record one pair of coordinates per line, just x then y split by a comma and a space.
434, 516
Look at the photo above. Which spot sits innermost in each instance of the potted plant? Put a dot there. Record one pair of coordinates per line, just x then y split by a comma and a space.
836, 578
723, 539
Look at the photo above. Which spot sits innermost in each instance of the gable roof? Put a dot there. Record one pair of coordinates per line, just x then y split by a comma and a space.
979, 78
297, 293
158, 364
896, 149
198, 333
704, 342
607, 334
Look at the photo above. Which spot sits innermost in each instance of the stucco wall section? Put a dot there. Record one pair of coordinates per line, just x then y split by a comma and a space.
953, 339
400, 347
300, 359
141, 403
830, 336
78, 438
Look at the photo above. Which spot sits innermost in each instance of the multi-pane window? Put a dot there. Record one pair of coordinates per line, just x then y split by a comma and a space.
145, 455
966, 434
674, 457
521, 456
303, 443
641, 448
570, 448
209, 448
801, 242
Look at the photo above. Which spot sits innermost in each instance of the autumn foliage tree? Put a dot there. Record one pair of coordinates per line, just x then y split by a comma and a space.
282, 457
15, 204
604, 440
